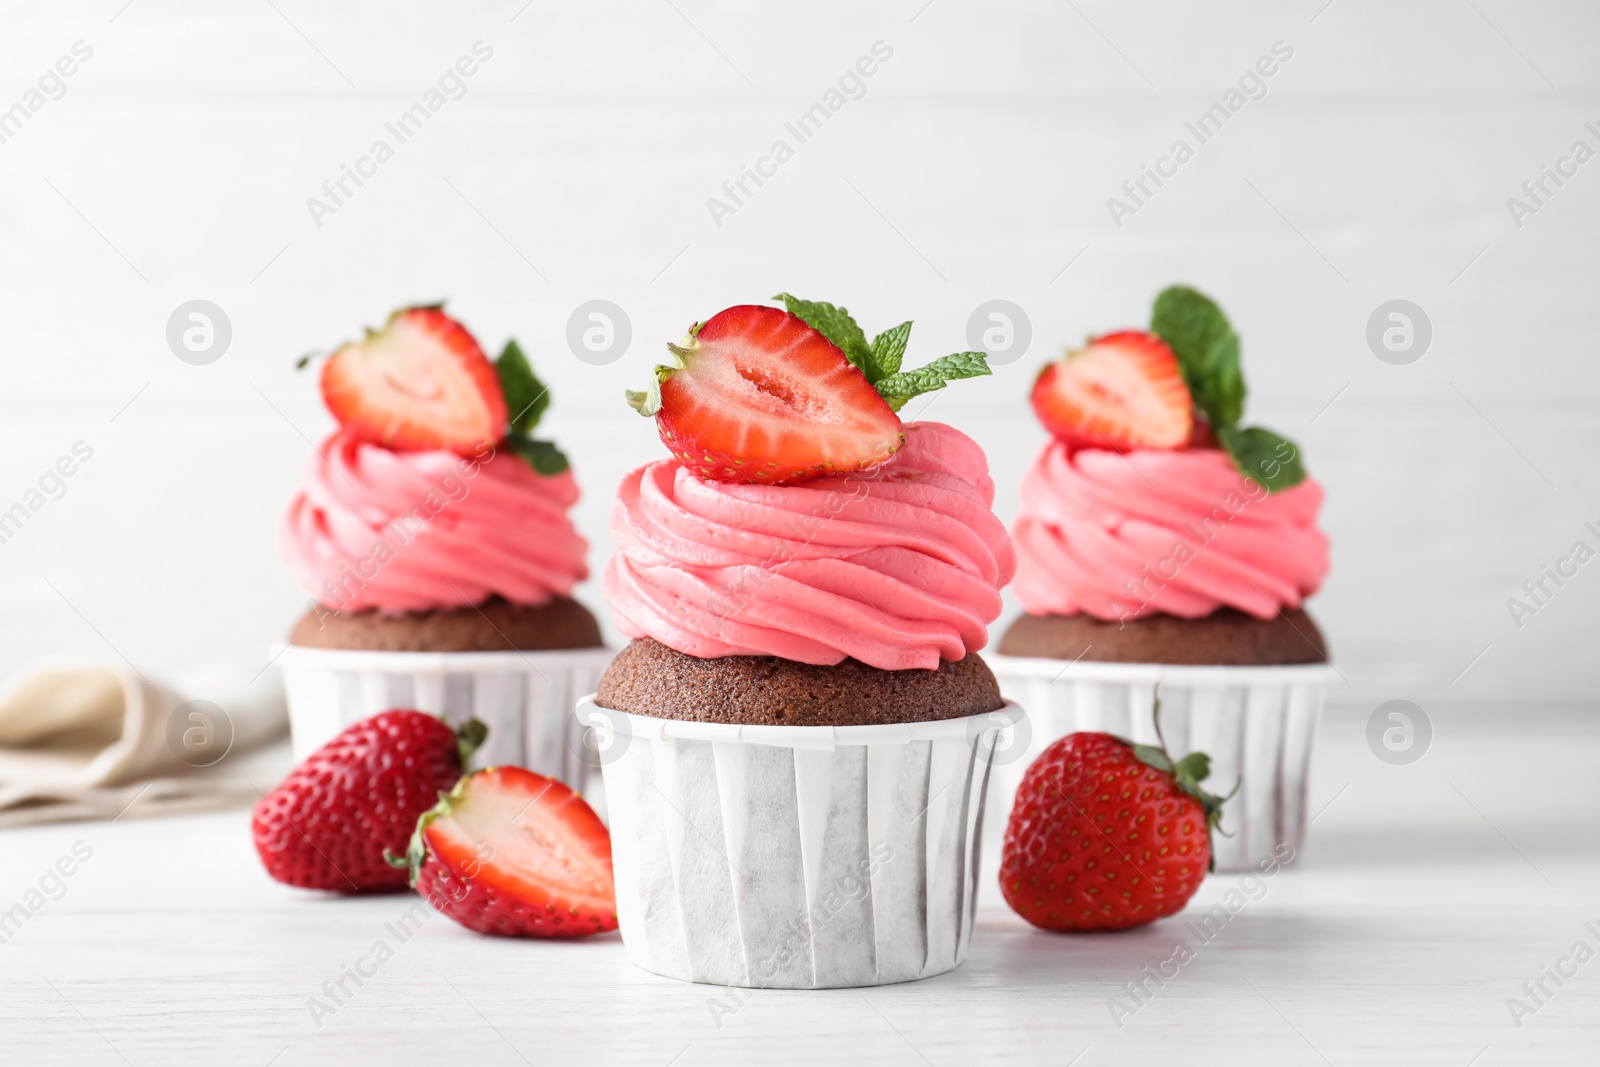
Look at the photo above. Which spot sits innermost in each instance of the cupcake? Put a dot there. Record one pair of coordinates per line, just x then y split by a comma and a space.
1165, 552
792, 735
431, 533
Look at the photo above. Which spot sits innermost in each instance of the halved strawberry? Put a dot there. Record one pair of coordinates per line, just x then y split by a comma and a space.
756, 395
512, 853
1121, 392
419, 383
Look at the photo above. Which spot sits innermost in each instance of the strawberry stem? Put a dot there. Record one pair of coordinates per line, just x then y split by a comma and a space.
468, 738
1187, 774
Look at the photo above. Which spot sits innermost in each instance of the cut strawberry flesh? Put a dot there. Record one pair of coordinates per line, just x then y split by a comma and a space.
1123, 391
530, 838
763, 397
419, 383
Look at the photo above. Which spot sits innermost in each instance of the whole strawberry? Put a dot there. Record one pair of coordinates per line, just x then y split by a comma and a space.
512, 853
1106, 835
327, 826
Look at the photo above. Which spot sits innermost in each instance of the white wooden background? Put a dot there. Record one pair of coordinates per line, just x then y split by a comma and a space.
577, 166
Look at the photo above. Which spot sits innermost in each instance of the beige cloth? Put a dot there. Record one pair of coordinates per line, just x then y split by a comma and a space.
99, 740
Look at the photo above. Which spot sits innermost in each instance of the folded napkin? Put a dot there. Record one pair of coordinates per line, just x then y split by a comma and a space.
100, 740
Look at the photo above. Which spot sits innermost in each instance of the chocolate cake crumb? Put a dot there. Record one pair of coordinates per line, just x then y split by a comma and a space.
648, 678
1226, 637
496, 625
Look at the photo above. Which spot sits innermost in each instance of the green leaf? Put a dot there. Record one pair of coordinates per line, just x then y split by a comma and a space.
898, 388
859, 353
470, 737
1207, 351
1151, 756
543, 456
889, 347
1194, 768
526, 396
1263, 456
837, 326
645, 401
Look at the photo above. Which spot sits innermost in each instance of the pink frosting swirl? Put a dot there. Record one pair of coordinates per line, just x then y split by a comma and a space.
1181, 533
413, 531
898, 567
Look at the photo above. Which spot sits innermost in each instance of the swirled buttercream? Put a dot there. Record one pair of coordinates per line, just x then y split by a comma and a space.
1182, 533
898, 567
413, 531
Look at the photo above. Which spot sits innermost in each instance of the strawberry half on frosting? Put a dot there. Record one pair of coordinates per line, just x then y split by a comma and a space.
1120, 392
778, 396
421, 382
757, 395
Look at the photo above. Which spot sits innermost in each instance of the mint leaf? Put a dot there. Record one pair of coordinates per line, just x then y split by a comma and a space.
1207, 351
898, 388
889, 347
859, 353
837, 326
1263, 456
543, 456
526, 396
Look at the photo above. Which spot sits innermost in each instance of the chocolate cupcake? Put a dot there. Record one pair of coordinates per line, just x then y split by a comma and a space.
790, 738
431, 533
1164, 551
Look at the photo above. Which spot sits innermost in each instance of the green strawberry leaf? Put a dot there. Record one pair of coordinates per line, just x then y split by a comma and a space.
1263, 456
898, 388
1207, 351
889, 347
526, 396
837, 326
645, 401
543, 456
1196, 766
1151, 756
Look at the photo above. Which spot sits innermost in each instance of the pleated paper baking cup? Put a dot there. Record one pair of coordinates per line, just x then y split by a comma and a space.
795, 857
525, 698
1256, 724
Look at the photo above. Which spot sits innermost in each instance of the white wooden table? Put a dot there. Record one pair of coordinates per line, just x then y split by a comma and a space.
1429, 894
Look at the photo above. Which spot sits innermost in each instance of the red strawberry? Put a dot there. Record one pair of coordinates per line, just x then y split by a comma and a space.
1106, 835
1122, 391
419, 383
512, 853
327, 826
759, 396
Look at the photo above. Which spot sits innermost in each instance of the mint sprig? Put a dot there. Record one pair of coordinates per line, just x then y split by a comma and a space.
1208, 357
881, 359
935, 375
527, 399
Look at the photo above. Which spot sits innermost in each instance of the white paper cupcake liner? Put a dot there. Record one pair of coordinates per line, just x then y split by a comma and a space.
801, 857
524, 698
1256, 724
